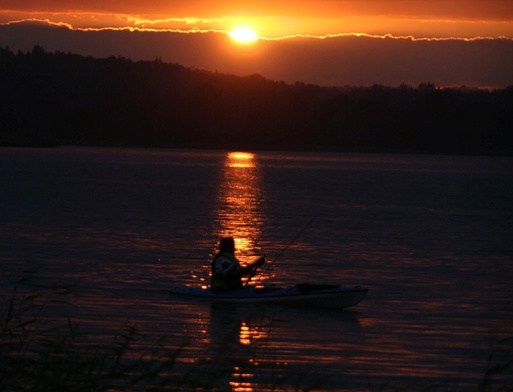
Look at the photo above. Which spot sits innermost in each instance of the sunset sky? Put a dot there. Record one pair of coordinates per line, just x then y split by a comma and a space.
364, 32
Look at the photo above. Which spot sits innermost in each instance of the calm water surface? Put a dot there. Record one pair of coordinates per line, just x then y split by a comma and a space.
430, 236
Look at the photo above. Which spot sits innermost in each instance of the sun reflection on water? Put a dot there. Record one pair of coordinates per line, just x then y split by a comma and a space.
238, 215
244, 383
248, 334
238, 202
241, 159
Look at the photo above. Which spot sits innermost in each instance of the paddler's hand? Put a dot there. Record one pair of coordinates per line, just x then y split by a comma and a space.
260, 261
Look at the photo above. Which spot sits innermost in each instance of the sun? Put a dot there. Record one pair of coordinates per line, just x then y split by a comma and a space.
243, 34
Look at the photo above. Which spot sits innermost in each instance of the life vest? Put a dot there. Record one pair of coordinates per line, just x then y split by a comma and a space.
226, 274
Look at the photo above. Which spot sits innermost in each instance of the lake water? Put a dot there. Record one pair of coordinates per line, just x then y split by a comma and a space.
431, 237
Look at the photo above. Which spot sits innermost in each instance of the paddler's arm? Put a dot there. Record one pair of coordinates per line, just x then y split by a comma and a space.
250, 268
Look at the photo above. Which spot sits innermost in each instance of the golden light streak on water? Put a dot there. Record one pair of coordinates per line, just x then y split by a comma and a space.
241, 159
238, 200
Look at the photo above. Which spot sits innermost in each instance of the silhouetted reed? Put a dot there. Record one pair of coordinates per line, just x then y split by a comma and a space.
40, 353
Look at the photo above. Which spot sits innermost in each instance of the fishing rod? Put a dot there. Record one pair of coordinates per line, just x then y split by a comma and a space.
271, 264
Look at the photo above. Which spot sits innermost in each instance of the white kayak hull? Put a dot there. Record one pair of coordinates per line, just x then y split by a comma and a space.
323, 296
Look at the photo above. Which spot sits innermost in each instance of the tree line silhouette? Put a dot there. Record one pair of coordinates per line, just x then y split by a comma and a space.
60, 98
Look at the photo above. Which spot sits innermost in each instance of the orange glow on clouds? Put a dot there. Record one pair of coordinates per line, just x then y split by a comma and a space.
326, 42
274, 20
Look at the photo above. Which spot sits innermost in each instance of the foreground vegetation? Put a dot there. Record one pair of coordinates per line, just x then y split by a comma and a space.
66, 99
44, 354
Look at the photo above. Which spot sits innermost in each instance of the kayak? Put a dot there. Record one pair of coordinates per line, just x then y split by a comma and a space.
306, 294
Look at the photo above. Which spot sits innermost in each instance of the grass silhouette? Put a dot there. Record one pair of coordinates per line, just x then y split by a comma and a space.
41, 355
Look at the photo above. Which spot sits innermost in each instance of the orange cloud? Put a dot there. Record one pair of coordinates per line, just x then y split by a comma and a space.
352, 59
452, 9
272, 19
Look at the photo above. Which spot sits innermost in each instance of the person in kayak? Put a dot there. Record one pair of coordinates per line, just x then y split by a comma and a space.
227, 272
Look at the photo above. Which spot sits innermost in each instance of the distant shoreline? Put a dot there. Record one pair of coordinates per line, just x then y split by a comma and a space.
305, 149
52, 99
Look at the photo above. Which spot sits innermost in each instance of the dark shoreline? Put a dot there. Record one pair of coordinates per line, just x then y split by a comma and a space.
53, 99
305, 149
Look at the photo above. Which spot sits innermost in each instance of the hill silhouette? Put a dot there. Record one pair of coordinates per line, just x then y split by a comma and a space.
67, 99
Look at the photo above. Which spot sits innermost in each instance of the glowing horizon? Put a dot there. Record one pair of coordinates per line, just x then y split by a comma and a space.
229, 32
277, 27
323, 42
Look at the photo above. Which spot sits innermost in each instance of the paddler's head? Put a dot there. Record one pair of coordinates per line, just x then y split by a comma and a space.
227, 245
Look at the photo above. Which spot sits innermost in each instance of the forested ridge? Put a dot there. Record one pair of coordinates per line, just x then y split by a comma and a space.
66, 99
